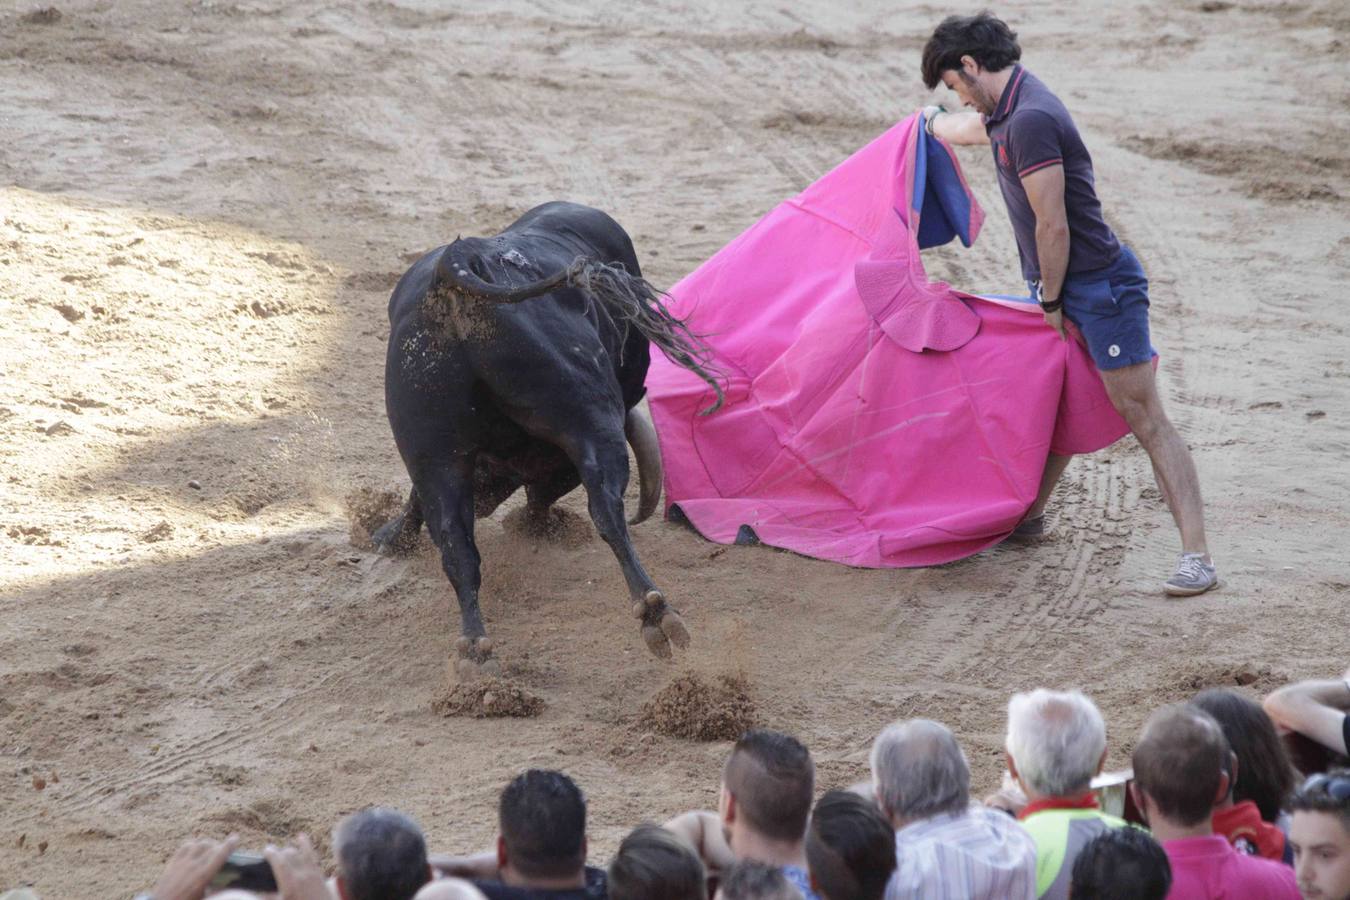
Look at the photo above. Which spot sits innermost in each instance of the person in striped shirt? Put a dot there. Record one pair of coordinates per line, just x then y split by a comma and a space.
945, 847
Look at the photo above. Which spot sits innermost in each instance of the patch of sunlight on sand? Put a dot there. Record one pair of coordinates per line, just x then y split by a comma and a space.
143, 351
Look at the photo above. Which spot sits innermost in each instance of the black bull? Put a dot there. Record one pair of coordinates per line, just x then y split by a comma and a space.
517, 361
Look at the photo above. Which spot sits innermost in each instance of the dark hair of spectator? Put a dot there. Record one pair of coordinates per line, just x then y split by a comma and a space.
655, 864
748, 880
772, 777
381, 855
850, 847
1328, 792
1265, 774
986, 39
543, 821
1179, 762
1121, 864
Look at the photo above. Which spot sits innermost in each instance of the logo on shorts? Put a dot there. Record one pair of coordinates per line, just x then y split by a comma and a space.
1113, 351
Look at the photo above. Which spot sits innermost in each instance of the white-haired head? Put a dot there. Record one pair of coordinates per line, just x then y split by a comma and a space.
1056, 740
918, 771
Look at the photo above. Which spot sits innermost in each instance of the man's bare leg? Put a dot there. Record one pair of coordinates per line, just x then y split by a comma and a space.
1054, 469
1134, 392
1032, 526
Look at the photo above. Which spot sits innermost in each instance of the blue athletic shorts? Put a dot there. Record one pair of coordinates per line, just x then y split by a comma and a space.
1110, 308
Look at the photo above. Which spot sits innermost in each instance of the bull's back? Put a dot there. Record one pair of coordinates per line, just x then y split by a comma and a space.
477, 341
592, 232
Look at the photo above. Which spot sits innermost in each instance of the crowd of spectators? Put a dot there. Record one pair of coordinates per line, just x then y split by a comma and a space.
1215, 808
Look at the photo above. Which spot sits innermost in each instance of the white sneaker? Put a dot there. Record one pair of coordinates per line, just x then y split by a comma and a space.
1193, 576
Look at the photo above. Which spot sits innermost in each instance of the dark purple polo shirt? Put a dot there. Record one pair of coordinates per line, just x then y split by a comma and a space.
1029, 130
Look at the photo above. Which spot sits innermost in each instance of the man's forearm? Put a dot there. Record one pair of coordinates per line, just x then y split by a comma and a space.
482, 866
1333, 694
1314, 709
1052, 251
965, 128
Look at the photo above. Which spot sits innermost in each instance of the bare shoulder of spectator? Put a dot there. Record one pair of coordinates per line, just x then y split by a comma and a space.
1316, 710
449, 889
702, 830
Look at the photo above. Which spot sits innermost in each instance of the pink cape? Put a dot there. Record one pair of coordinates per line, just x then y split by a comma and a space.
872, 417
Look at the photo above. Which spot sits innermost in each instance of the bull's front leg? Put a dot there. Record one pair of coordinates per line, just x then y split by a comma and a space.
603, 466
447, 496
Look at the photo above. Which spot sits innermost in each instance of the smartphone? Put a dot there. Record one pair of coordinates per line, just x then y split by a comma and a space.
1112, 790
246, 871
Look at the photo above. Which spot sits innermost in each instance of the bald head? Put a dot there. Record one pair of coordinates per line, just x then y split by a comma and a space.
1181, 763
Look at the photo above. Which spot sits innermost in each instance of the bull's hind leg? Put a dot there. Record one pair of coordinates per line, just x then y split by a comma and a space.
602, 461
399, 537
542, 520
447, 496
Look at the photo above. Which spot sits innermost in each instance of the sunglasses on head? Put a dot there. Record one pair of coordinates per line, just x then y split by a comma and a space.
1336, 787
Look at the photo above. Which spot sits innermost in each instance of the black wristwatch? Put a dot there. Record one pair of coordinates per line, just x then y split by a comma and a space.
1051, 305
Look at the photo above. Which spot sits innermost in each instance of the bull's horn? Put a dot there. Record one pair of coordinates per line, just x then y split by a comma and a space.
642, 437
454, 268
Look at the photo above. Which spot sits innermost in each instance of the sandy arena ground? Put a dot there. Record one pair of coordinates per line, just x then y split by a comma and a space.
203, 206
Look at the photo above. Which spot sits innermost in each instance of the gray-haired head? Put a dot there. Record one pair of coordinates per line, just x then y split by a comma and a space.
918, 770
381, 855
1056, 740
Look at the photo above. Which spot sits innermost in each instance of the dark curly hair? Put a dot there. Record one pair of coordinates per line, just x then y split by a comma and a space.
542, 815
1121, 864
983, 36
1328, 792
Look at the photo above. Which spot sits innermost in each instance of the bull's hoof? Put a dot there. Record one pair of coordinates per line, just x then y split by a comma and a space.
475, 659
662, 627
657, 642
673, 627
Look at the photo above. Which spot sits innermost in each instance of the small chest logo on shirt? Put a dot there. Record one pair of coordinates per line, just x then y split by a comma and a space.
1003, 155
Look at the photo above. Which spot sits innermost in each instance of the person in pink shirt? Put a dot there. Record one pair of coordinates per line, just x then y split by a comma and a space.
1181, 766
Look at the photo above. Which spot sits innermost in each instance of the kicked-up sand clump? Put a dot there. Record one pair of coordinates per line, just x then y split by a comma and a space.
690, 707
488, 698
557, 525
369, 510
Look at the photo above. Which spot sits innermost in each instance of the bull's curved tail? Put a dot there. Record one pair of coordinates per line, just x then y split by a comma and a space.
631, 299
